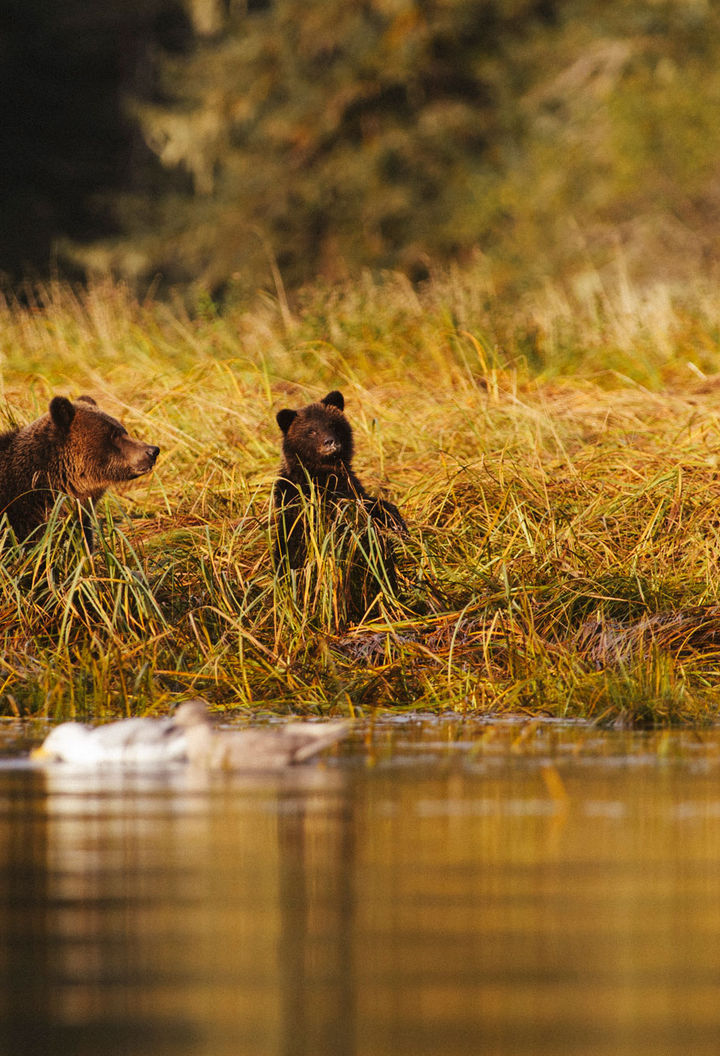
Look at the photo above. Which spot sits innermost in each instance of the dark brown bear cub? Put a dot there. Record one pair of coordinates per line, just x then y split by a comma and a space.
75, 449
317, 464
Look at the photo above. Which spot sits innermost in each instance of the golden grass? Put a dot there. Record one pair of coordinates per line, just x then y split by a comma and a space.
556, 461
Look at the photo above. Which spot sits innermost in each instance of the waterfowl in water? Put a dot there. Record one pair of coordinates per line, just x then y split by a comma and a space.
132, 741
253, 749
188, 736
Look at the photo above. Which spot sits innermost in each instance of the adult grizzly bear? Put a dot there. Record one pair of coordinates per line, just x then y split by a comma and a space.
317, 451
76, 449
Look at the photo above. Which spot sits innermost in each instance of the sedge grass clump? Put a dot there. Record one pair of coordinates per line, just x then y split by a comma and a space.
61, 599
345, 575
56, 582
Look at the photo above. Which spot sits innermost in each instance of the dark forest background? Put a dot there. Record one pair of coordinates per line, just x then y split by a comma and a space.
222, 145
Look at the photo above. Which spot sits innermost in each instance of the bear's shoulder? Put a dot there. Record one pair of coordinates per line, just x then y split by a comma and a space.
7, 439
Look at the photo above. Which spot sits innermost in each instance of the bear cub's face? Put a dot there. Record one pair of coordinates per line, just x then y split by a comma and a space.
317, 437
96, 448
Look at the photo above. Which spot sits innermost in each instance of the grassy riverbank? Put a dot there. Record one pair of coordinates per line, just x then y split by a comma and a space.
556, 461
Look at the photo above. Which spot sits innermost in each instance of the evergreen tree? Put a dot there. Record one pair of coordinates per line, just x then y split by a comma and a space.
328, 135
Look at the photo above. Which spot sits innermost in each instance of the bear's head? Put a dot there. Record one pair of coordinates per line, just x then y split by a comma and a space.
94, 450
317, 437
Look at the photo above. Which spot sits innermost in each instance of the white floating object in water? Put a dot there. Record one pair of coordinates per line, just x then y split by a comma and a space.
188, 735
133, 741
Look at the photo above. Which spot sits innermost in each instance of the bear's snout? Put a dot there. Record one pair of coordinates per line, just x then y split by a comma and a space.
148, 458
330, 445
141, 458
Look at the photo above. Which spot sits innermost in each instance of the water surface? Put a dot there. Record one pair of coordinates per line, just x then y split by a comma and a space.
436, 887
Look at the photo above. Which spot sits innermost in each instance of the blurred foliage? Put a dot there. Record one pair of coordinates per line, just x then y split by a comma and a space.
65, 142
327, 136
231, 144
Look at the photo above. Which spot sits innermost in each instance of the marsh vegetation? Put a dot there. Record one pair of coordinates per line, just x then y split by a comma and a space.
556, 461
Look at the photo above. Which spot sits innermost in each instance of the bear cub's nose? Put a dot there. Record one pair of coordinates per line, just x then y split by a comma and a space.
152, 453
331, 444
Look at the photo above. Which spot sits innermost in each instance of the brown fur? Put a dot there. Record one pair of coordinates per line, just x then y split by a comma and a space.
75, 449
317, 456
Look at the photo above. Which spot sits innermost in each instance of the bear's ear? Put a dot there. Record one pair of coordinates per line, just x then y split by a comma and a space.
334, 399
285, 418
62, 412
87, 399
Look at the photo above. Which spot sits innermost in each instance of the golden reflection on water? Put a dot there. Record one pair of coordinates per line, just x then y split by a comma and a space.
436, 888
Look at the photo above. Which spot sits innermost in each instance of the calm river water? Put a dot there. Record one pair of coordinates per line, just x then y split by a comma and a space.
434, 888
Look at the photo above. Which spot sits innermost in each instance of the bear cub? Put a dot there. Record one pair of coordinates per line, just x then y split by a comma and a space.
75, 449
317, 449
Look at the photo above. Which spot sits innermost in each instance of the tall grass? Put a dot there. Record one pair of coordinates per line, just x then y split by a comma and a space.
556, 461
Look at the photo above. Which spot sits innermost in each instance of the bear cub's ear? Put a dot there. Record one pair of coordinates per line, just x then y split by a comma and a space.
334, 399
62, 412
285, 418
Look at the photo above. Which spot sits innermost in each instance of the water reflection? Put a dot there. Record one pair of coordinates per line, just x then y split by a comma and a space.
436, 887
